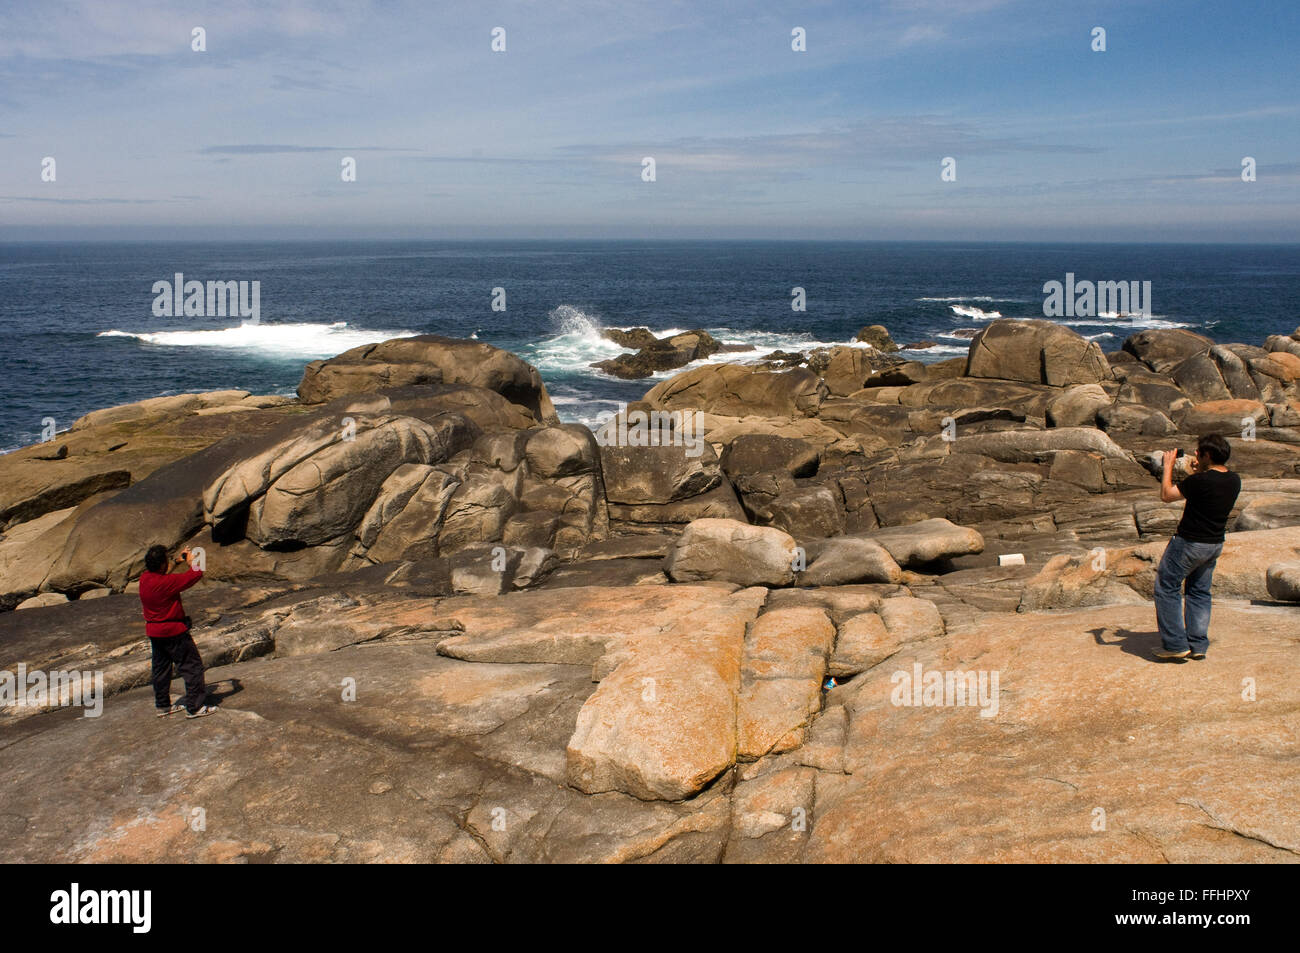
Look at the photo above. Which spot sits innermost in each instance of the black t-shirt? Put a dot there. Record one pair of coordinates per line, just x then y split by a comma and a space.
1210, 497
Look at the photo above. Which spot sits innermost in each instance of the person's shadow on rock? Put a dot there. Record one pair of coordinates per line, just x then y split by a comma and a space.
1141, 644
223, 689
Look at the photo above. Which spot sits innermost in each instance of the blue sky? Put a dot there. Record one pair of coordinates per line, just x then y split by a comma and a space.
1052, 140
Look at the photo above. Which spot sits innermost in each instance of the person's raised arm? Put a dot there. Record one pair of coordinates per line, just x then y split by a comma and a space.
1168, 492
172, 583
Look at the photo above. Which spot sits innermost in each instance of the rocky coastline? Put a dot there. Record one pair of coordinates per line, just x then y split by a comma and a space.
682, 645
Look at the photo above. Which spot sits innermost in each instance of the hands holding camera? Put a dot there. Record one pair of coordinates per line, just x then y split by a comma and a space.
1172, 455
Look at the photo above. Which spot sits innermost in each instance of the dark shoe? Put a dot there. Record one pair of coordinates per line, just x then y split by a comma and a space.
1197, 656
200, 712
1166, 656
164, 712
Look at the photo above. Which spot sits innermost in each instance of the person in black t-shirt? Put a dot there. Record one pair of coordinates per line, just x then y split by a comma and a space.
1187, 567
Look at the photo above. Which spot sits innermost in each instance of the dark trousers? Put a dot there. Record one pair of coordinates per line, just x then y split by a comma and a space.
181, 652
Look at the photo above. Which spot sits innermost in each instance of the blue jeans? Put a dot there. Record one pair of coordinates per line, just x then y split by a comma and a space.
1183, 594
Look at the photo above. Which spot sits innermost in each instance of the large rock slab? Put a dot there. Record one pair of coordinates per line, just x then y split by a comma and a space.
1226, 417
1078, 759
1037, 352
665, 474
428, 359
754, 453
918, 544
731, 551
1104, 576
325, 494
1283, 581
780, 692
1018, 446
845, 560
662, 724
1163, 349
1077, 406
738, 390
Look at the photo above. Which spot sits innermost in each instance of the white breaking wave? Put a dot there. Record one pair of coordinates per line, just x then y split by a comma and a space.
575, 348
280, 340
985, 298
940, 349
1128, 321
977, 314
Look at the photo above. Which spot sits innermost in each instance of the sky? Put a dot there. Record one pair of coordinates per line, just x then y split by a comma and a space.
1052, 140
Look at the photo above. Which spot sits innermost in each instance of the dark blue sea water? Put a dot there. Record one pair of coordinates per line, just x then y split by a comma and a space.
78, 331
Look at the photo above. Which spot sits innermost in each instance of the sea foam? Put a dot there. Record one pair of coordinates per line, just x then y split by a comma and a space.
277, 340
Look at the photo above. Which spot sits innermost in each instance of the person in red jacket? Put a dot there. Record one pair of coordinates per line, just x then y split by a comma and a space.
168, 628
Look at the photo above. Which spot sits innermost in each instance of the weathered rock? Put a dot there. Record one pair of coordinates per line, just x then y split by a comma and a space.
1222, 416
877, 335
805, 511
1283, 581
902, 375
1156, 391
662, 724
1026, 445
1200, 378
632, 337
844, 560
927, 541
769, 816
1080, 468
718, 503
1037, 352
780, 689
106, 545
561, 451
1101, 577
27, 551
738, 390
848, 369
908, 619
1268, 511
657, 354
42, 600
428, 359
476, 513
1162, 349
1276, 343
535, 565
731, 551
325, 493
1077, 406
863, 642
1134, 418
1235, 373
1012, 786
975, 392
664, 474
754, 453
484, 570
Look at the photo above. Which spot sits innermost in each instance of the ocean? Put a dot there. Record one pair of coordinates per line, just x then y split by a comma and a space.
79, 333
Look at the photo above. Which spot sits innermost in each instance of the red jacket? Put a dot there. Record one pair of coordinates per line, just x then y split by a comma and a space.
160, 597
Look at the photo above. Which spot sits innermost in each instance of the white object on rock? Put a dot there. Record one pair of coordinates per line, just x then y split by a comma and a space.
1011, 559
